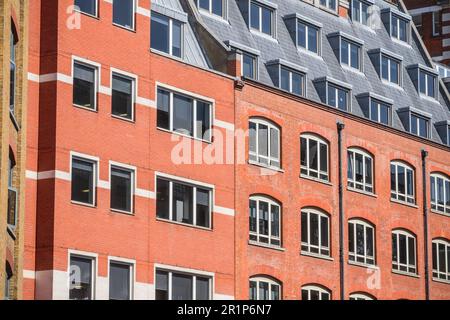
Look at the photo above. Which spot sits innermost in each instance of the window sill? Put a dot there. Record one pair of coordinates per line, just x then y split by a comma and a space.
401, 42
183, 135
254, 163
391, 84
403, 273
405, 203
310, 53
353, 70
122, 118
14, 120
428, 98
364, 26
87, 14
167, 55
128, 213
183, 224
440, 213
263, 35
11, 232
266, 246
317, 256
93, 206
366, 193
85, 108
363, 265
303, 176
213, 16
441, 281
124, 27
326, 9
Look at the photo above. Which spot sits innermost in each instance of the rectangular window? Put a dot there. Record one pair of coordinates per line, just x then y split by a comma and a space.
292, 81
84, 86
337, 97
122, 189
183, 114
329, 4
183, 203
308, 37
360, 12
427, 84
216, 7
380, 112
83, 181
399, 28
249, 66
440, 194
87, 6
181, 286
261, 18
419, 126
82, 270
120, 281
350, 54
12, 73
166, 35
122, 92
436, 23
124, 13
390, 70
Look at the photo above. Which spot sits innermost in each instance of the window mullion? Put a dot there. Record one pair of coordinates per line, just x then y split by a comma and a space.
194, 287
170, 200
171, 111
194, 204
170, 285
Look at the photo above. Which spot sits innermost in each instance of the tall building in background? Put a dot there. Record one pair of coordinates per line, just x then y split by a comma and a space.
13, 126
234, 149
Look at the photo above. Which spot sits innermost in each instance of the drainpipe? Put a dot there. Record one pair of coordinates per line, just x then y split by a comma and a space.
425, 222
340, 128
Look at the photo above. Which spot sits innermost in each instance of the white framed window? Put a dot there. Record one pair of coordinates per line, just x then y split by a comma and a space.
121, 279
292, 81
123, 90
89, 7
360, 11
122, 181
420, 125
338, 97
183, 202
184, 114
249, 66
329, 4
308, 36
82, 273
441, 259
440, 193
264, 143
361, 296
12, 72
83, 180
402, 182
180, 285
262, 18
360, 167
314, 157
404, 252
85, 85
214, 7
264, 288
315, 232
265, 221
380, 112
350, 54
312, 292
399, 28
427, 84
361, 242
436, 23
390, 70
124, 13
166, 35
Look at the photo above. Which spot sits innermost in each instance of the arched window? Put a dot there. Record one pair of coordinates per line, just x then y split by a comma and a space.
12, 193
404, 248
315, 228
402, 182
360, 170
441, 259
361, 296
264, 288
314, 157
361, 242
313, 292
8, 280
265, 221
264, 143
440, 193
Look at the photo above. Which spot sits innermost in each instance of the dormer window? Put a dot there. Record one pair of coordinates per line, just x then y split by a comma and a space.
288, 76
360, 11
376, 108
334, 93
350, 54
166, 34
443, 128
214, 7
388, 66
416, 121
329, 4
397, 24
249, 63
308, 36
262, 18
425, 80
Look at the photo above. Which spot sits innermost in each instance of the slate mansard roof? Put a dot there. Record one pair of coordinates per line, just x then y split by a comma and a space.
234, 31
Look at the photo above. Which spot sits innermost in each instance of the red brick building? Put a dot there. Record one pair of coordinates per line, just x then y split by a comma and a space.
314, 196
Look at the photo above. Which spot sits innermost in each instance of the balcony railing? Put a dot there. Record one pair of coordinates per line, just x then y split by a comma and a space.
12, 207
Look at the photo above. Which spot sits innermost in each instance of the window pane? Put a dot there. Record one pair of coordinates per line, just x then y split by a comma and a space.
263, 291
162, 199
202, 289
393, 178
252, 137
182, 114
160, 32
370, 241
163, 116
274, 146
264, 218
203, 206
253, 218
123, 13
263, 140
313, 39
303, 152
368, 164
354, 56
119, 281
176, 38
203, 121
162, 285
323, 157
410, 182
402, 247
254, 16
422, 82
359, 168
87, 6
314, 224
360, 247
332, 91
304, 227
253, 291
351, 237
342, 99
248, 66
266, 21
394, 248
122, 97
182, 203
285, 76
344, 52
297, 83
384, 114
181, 287
275, 220
394, 72
324, 232
84, 86
313, 154
217, 7
80, 278
301, 35
384, 68
204, 4
411, 251
82, 181
401, 179
374, 110
414, 126
121, 189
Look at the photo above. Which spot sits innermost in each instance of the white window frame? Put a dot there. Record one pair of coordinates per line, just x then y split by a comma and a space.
133, 27
195, 98
359, 18
224, 9
399, 75
126, 262
319, 37
366, 187
435, 206
187, 272
269, 236
321, 291
170, 53
436, 32
291, 72
272, 18
396, 265
270, 282
97, 68
407, 28
365, 256
308, 244
133, 183
395, 194
94, 272
269, 158
427, 76
378, 104
418, 117
360, 296
349, 44
88, 14
191, 183
338, 88
255, 64
134, 84
96, 174
320, 141
444, 273
327, 5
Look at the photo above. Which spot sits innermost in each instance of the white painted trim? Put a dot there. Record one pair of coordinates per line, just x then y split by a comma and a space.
143, 11
180, 179
224, 124
184, 92
223, 210
132, 264
95, 278
29, 274
414, 12
133, 171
